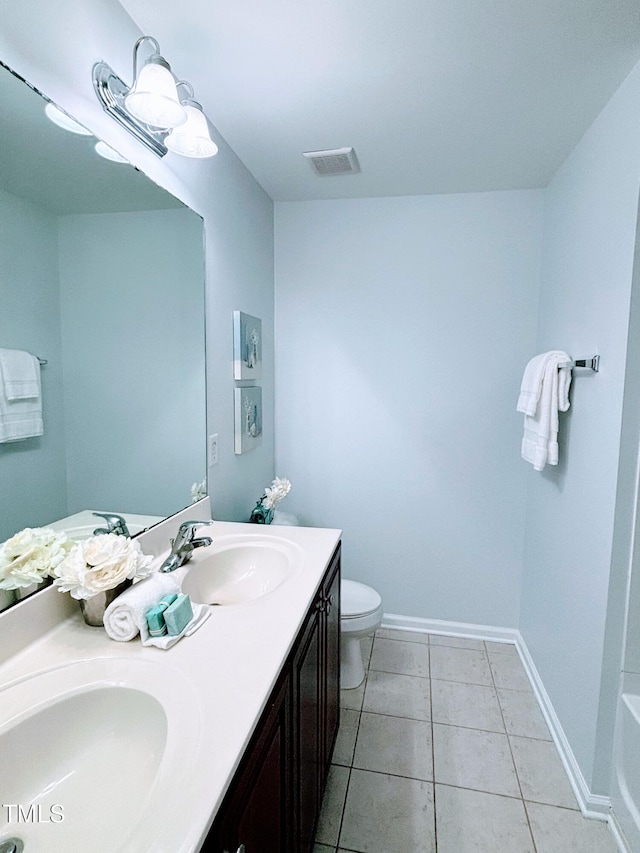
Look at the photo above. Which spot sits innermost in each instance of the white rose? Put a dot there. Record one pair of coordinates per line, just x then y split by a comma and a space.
30, 556
101, 563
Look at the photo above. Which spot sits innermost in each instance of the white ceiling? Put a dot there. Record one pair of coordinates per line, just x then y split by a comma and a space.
435, 95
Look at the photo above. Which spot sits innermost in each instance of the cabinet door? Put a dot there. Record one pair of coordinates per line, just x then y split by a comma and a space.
256, 812
331, 662
307, 748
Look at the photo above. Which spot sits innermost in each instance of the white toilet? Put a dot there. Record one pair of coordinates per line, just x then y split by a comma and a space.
360, 615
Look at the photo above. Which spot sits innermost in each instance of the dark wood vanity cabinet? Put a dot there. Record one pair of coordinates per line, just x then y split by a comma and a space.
273, 802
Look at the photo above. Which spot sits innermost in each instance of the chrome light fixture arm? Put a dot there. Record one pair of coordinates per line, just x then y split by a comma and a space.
111, 91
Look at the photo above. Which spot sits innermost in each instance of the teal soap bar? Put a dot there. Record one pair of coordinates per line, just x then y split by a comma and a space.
155, 620
169, 598
178, 615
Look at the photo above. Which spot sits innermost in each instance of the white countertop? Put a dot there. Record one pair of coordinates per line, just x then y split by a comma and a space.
227, 668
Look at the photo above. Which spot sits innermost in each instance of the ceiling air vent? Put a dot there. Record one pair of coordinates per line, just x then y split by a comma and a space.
334, 161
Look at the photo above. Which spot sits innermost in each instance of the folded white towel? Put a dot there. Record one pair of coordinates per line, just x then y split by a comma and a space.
544, 393
124, 618
20, 418
20, 371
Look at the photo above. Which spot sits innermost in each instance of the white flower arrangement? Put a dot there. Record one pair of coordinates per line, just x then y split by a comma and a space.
31, 556
264, 509
198, 491
100, 563
280, 488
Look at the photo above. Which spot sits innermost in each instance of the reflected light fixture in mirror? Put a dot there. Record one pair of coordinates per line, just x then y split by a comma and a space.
57, 116
152, 109
108, 152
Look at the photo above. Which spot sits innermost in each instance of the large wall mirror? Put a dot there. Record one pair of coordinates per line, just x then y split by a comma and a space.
102, 276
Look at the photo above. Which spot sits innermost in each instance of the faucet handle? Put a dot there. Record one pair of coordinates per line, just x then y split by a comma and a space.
191, 525
188, 528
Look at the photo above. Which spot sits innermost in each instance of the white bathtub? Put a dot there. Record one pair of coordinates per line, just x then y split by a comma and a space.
625, 795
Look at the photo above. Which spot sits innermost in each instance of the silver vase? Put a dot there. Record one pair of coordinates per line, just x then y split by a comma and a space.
93, 608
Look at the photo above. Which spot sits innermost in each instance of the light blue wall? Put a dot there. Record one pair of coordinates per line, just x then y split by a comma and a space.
133, 356
589, 234
402, 328
238, 214
32, 472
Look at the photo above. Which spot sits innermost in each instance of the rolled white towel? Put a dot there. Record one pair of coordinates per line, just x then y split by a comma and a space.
124, 618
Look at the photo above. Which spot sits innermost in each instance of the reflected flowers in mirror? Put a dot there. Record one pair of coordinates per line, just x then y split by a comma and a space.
31, 556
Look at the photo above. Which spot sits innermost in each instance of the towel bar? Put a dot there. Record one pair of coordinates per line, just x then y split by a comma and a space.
42, 361
592, 363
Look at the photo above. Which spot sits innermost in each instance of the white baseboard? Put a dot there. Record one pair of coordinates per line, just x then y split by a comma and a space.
451, 629
591, 805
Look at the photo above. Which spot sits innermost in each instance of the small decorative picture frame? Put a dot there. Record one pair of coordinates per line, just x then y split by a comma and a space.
247, 346
248, 419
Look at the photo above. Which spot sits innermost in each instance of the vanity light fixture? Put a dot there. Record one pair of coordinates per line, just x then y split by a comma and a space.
152, 109
192, 138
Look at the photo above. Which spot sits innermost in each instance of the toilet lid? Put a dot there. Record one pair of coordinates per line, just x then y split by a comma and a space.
358, 599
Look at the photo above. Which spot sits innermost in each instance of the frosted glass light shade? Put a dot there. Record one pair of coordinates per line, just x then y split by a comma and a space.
154, 98
192, 139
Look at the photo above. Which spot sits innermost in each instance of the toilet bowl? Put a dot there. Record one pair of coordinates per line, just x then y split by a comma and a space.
360, 615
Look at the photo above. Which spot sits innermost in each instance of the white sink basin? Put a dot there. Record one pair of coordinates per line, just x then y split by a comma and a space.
240, 569
92, 754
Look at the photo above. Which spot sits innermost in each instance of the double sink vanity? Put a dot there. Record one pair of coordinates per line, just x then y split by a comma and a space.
221, 743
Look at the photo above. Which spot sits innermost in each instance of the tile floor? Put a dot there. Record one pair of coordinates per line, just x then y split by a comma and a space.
444, 749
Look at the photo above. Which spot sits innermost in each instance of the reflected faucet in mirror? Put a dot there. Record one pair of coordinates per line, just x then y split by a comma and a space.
115, 524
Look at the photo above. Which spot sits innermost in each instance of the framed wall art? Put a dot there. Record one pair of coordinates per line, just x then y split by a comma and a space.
247, 346
248, 419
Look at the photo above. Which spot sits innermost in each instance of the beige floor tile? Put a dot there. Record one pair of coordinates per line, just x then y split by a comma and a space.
558, 830
346, 740
522, 714
332, 806
541, 773
477, 822
468, 665
456, 642
509, 673
352, 699
404, 636
322, 848
472, 705
397, 695
403, 658
501, 649
388, 813
470, 758
394, 745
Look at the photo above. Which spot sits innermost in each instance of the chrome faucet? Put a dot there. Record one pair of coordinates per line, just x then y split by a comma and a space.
115, 524
183, 545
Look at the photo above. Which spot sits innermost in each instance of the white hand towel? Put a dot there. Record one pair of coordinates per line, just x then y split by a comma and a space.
548, 385
124, 618
20, 371
21, 418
